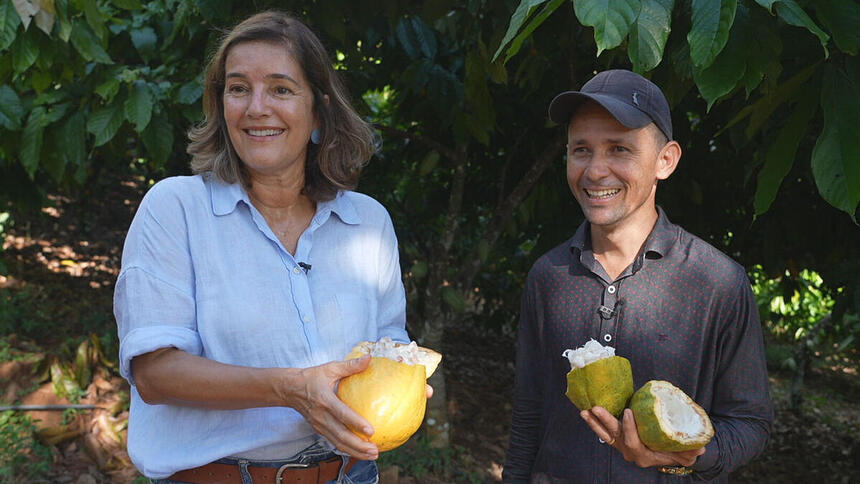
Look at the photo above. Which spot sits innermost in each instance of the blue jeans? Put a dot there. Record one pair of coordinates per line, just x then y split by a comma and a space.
363, 472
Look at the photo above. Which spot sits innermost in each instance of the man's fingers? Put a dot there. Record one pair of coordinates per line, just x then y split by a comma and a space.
596, 425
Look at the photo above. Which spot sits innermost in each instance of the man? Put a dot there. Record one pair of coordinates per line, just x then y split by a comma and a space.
676, 307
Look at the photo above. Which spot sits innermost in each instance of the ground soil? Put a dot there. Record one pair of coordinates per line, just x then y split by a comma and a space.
67, 258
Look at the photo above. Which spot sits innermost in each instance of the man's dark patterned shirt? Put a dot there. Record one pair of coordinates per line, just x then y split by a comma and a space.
682, 312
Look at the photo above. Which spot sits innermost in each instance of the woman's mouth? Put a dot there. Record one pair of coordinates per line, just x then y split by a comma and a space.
264, 132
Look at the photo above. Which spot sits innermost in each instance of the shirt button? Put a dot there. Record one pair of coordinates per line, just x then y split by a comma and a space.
601, 440
607, 337
611, 289
306, 318
296, 270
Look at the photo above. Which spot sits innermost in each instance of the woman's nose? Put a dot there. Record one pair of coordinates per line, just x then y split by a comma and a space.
258, 104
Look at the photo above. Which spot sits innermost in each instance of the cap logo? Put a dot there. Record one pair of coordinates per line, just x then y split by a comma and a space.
635, 100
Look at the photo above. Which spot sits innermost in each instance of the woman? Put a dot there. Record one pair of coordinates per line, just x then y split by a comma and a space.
243, 287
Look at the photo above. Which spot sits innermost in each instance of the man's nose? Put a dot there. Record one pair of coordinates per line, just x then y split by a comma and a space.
597, 167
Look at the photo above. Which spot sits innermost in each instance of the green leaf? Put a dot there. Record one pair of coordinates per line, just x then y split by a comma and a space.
836, 156
763, 50
144, 40
87, 45
791, 12
94, 18
9, 22
780, 156
428, 164
24, 53
416, 38
11, 110
611, 20
158, 139
105, 122
712, 22
68, 146
190, 92
524, 9
841, 18
649, 33
180, 17
31, 140
533, 24
138, 106
108, 89
419, 270
453, 298
721, 77
127, 4
483, 250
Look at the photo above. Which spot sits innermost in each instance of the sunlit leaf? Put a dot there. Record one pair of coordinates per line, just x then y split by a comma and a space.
524, 9
11, 110
836, 156
649, 33
781, 154
611, 20
533, 24
712, 22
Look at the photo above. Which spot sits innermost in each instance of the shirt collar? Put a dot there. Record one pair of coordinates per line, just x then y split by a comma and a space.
657, 245
225, 197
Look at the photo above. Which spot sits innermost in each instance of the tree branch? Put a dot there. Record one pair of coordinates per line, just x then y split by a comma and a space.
505, 210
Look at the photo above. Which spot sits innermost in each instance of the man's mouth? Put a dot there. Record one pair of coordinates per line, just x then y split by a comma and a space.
264, 132
600, 194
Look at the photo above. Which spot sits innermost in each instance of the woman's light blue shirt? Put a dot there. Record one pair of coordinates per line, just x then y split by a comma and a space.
203, 272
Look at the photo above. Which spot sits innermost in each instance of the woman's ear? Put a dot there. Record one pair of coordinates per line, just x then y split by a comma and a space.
667, 159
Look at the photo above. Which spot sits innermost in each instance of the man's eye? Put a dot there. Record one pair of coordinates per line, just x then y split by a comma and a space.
620, 148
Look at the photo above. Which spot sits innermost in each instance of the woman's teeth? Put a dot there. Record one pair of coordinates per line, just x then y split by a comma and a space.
264, 132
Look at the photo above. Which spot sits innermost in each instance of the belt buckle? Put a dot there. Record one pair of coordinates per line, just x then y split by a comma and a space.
279, 475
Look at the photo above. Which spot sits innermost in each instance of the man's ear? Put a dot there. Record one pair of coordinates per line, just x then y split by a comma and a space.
667, 159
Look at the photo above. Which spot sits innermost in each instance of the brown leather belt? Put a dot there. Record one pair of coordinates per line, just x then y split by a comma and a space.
315, 473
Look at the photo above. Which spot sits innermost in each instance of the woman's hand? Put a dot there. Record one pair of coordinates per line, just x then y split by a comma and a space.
316, 400
623, 436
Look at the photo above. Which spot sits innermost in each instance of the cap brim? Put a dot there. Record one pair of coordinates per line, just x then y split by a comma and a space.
565, 104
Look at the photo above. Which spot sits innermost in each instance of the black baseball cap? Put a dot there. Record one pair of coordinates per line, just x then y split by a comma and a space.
633, 100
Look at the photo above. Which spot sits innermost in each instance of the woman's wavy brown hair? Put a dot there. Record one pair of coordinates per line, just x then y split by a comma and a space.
346, 142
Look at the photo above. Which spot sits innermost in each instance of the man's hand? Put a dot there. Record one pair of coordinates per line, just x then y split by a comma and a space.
622, 435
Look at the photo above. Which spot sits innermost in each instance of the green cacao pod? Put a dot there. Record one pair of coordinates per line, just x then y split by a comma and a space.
668, 420
607, 383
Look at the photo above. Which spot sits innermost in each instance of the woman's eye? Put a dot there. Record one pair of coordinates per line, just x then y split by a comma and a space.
236, 89
282, 91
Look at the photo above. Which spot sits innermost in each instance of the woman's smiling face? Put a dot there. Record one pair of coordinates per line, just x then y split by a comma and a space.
268, 108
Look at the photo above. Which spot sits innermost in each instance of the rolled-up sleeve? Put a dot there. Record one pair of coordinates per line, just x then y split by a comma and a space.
154, 296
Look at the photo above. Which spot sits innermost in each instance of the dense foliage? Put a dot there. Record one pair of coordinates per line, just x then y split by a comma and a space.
764, 94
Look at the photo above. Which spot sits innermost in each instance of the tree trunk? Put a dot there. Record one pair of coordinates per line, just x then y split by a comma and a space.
802, 360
